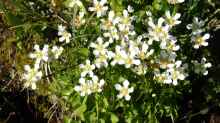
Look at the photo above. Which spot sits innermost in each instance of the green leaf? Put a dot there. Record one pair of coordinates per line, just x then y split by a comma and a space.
1, 6
84, 51
92, 117
114, 118
79, 111
102, 121
67, 91
67, 119
105, 102
116, 5
13, 20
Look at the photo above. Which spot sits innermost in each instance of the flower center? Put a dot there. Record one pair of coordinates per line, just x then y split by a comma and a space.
98, 7
142, 55
85, 88
108, 24
66, 34
199, 40
124, 91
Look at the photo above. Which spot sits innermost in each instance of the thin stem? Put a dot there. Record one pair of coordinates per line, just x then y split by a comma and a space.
90, 18
60, 18
97, 108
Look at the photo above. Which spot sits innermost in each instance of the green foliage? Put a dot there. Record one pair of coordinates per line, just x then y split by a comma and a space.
151, 103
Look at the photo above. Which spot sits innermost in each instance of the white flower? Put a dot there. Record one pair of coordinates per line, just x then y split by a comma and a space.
140, 69
163, 77
64, 35
175, 75
172, 20
61, 29
124, 90
175, 1
166, 59
126, 33
130, 9
97, 85
84, 88
99, 47
109, 24
119, 56
169, 77
101, 60
99, 7
79, 19
133, 46
31, 76
196, 26
200, 40
131, 60
125, 21
88, 87
201, 68
129, 57
72, 3
57, 51
87, 68
158, 32
148, 13
40, 54
112, 35
143, 52
176, 72
125, 26
170, 45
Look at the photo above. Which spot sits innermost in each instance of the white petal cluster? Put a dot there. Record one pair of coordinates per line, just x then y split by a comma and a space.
79, 20
64, 35
199, 40
84, 88
110, 22
119, 56
40, 55
127, 57
125, 21
198, 37
172, 74
31, 76
125, 25
158, 32
73, 3
102, 60
196, 26
57, 51
87, 69
88, 86
176, 73
169, 70
144, 52
166, 59
100, 48
99, 7
201, 68
133, 53
175, 1
156, 50
124, 90
172, 20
